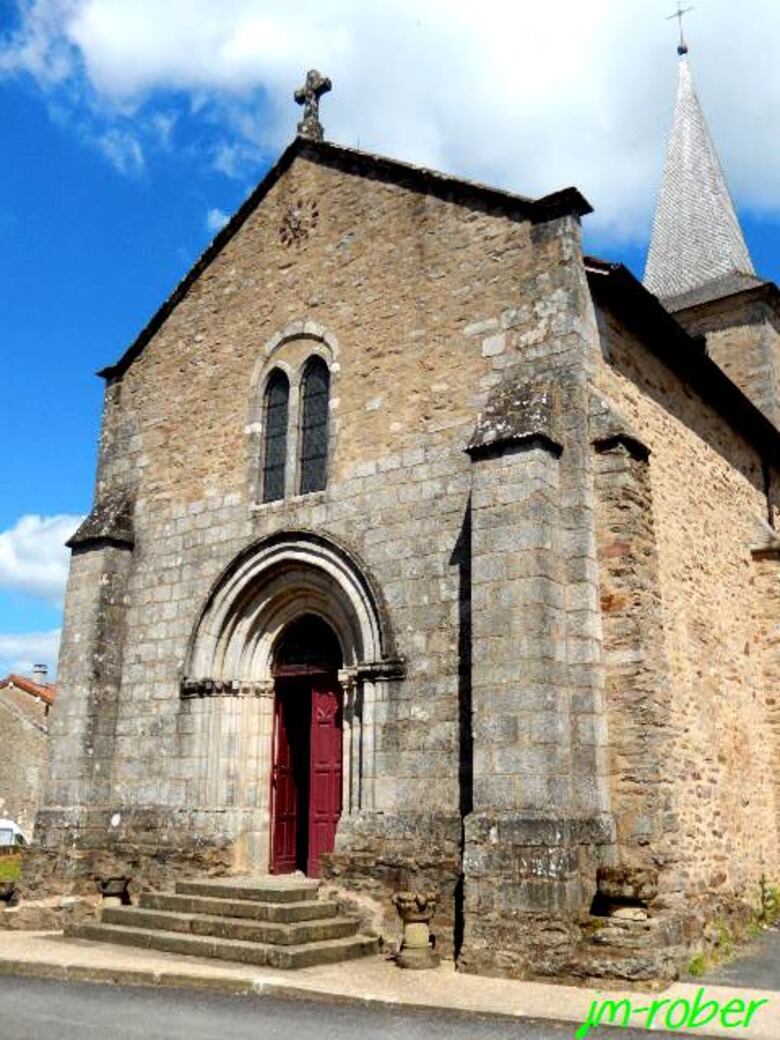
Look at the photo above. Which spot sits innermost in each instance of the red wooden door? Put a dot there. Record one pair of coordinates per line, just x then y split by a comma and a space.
288, 790
325, 779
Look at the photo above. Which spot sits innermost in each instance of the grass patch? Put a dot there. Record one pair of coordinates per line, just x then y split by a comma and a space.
726, 939
10, 868
698, 965
725, 944
770, 902
753, 930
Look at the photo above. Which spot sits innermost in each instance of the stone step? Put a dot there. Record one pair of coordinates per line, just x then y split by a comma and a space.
308, 955
282, 913
294, 934
285, 889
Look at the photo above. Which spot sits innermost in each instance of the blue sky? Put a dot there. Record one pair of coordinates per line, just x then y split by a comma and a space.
87, 254
127, 138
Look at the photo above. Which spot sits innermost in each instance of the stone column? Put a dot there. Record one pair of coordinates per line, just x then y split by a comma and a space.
350, 799
367, 798
264, 767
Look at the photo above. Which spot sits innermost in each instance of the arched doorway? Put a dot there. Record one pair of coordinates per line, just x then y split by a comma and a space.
244, 634
306, 777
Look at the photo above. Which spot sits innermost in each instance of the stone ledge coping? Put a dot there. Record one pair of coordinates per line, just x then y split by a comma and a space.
110, 522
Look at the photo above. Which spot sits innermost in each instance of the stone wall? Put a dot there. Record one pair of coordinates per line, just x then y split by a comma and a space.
705, 487
767, 622
419, 304
22, 756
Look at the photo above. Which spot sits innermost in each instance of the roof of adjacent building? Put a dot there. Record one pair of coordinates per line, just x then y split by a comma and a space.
736, 289
363, 164
686, 355
716, 289
46, 692
696, 239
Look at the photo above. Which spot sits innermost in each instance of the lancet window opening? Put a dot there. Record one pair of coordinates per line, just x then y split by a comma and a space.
314, 426
277, 408
295, 439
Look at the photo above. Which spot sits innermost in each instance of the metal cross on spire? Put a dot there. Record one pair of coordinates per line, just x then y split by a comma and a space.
682, 46
309, 96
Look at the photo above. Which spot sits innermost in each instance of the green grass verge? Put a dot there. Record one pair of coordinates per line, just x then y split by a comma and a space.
698, 965
10, 868
728, 943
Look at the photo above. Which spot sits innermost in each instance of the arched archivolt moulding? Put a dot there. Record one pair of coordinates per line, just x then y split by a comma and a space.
273, 583
320, 341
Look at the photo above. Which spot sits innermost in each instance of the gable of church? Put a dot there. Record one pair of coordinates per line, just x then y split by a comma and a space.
396, 289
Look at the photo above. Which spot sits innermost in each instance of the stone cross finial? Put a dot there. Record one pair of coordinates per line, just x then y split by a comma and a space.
309, 96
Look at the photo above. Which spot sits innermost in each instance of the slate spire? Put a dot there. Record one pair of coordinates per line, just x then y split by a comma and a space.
696, 236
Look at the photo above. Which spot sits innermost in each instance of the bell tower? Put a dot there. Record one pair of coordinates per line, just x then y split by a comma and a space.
698, 263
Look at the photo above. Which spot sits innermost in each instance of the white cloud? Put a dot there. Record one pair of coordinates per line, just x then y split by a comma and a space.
532, 97
33, 556
18, 653
235, 158
123, 150
162, 123
216, 220
40, 47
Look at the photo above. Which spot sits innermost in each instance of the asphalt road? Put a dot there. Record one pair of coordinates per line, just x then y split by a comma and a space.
757, 967
35, 1009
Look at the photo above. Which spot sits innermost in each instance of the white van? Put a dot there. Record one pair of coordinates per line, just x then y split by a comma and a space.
11, 834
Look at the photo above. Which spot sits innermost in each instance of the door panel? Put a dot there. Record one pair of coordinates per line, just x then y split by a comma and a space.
290, 776
306, 778
326, 767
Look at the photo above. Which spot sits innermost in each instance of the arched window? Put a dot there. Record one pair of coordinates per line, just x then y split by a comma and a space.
277, 396
314, 439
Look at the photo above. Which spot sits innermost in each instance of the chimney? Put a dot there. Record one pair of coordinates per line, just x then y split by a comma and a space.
40, 674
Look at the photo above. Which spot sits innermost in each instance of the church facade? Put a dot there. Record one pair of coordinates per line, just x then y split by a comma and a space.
428, 552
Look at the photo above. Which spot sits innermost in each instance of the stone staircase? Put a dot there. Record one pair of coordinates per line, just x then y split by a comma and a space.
278, 922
